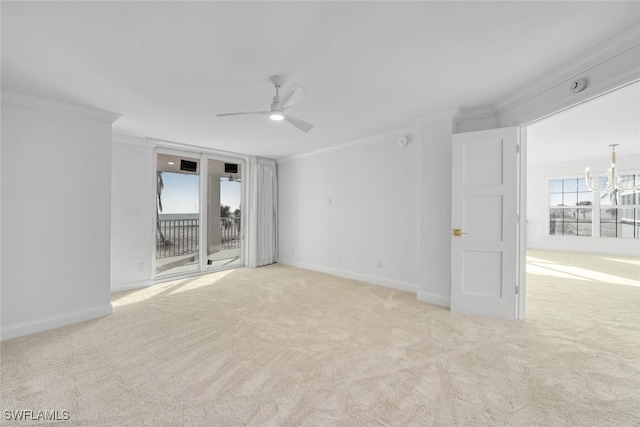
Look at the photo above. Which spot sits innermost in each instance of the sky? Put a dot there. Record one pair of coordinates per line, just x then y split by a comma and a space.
181, 193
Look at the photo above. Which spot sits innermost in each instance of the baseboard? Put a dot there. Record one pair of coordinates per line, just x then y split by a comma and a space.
129, 286
609, 249
434, 299
374, 280
27, 328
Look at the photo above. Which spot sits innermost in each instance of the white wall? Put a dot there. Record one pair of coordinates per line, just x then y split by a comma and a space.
311, 235
345, 210
132, 202
56, 188
435, 210
538, 209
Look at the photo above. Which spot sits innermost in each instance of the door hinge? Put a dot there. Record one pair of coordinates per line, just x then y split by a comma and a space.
517, 289
517, 148
517, 219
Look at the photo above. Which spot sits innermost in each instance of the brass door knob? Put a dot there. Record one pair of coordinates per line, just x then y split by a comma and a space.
458, 232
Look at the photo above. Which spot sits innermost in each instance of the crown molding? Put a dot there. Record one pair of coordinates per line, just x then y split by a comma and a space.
476, 113
47, 104
352, 144
577, 65
438, 116
165, 143
132, 140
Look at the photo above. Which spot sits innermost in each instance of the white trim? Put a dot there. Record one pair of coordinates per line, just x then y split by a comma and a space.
164, 143
129, 286
132, 140
521, 297
577, 65
612, 246
203, 214
434, 299
597, 90
476, 113
412, 130
31, 101
438, 116
374, 280
43, 324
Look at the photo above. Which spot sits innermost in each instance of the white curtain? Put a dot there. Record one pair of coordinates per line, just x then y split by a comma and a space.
263, 212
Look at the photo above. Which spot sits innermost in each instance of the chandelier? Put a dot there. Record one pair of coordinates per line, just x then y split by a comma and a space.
613, 181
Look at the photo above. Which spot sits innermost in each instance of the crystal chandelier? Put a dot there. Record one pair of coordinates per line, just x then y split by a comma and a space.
613, 181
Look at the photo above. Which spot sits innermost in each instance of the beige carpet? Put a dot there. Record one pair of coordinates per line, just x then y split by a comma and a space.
281, 346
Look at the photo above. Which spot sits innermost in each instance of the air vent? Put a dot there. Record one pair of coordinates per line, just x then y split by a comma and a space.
230, 168
188, 166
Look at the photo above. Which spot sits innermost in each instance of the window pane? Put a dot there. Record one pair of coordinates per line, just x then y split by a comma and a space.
625, 230
607, 199
570, 199
626, 181
570, 229
555, 186
555, 213
608, 230
585, 215
582, 185
555, 227
627, 223
627, 198
570, 215
625, 215
570, 185
585, 198
608, 215
584, 229
555, 199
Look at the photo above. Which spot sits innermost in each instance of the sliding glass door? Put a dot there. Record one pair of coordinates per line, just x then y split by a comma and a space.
224, 213
198, 199
177, 214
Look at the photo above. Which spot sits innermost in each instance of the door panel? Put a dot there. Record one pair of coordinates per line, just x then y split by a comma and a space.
177, 214
484, 207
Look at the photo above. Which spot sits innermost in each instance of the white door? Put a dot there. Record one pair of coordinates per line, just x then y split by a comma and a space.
484, 217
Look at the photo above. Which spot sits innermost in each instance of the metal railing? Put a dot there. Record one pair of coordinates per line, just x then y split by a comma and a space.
180, 237
230, 232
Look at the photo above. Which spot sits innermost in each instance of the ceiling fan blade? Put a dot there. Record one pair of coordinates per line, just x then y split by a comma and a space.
300, 124
292, 97
255, 113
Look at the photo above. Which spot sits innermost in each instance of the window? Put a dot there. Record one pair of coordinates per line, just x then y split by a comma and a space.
571, 211
574, 210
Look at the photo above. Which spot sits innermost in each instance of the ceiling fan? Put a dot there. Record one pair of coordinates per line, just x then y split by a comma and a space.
279, 105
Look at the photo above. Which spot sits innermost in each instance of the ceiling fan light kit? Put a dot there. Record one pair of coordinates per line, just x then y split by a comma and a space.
279, 105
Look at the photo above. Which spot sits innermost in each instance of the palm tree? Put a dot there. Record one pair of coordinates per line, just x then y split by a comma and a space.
159, 188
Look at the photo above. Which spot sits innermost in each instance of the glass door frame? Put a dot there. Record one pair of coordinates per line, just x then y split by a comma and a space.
204, 267
203, 157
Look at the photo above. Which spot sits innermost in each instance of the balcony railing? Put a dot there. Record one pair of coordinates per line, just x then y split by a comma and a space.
180, 237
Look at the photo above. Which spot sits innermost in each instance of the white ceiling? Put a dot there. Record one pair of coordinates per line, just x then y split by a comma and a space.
585, 132
368, 67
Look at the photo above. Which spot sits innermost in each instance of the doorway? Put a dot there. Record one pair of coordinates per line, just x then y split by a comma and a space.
581, 243
198, 215
224, 214
177, 236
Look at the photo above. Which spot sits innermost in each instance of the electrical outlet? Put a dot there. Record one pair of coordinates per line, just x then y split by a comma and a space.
140, 266
379, 265
339, 258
